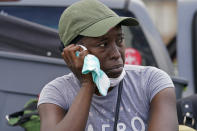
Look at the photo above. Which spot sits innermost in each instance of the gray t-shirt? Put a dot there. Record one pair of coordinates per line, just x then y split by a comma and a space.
140, 85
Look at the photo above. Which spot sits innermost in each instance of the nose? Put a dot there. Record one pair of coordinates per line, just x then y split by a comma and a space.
114, 52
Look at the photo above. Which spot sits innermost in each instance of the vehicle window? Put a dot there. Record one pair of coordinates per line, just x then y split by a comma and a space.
49, 16
135, 38
194, 47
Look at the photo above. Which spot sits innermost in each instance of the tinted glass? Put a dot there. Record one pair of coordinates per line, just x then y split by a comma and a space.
48, 16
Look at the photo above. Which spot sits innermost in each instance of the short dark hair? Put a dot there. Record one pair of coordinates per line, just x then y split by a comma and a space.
74, 41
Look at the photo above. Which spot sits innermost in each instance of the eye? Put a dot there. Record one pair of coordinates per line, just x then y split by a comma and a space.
120, 40
103, 44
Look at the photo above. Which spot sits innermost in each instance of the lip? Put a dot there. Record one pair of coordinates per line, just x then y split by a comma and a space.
115, 67
114, 71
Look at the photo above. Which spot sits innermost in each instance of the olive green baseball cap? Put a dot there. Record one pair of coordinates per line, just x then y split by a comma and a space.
89, 18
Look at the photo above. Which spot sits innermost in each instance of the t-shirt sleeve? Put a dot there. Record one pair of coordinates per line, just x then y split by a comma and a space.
50, 94
53, 93
157, 81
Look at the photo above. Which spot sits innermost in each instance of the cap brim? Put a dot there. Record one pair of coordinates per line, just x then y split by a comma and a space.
102, 27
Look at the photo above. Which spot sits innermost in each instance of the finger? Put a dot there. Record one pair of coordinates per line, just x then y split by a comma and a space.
83, 54
65, 50
65, 59
69, 50
73, 51
62, 53
80, 59
70, 56
65, 54
71, 45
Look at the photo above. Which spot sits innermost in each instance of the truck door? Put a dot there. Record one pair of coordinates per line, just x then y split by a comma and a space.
194, 47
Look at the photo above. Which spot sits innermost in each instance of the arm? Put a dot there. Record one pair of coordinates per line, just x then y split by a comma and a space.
163, 114
53, 117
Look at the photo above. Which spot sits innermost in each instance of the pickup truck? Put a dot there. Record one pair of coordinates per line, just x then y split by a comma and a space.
29, 42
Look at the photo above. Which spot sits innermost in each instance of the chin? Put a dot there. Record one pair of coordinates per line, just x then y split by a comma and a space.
114, 71
114, 74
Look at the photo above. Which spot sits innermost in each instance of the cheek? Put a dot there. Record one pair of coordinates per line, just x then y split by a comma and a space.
123, 58
122, 53
99, 54
102, 58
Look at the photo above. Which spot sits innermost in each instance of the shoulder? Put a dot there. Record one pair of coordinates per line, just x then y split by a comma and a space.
143, 70
65, 80
148, 75
64, 84
139, 68
60, 91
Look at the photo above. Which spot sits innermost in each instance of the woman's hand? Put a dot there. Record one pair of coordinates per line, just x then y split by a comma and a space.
75, 63
52, 116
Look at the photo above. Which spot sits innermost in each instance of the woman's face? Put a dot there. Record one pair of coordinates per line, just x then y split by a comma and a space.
110, 50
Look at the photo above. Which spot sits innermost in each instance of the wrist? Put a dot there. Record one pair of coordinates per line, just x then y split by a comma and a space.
88, 84
87, 79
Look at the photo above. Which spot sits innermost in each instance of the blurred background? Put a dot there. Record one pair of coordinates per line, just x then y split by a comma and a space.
164, 16
29, 45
